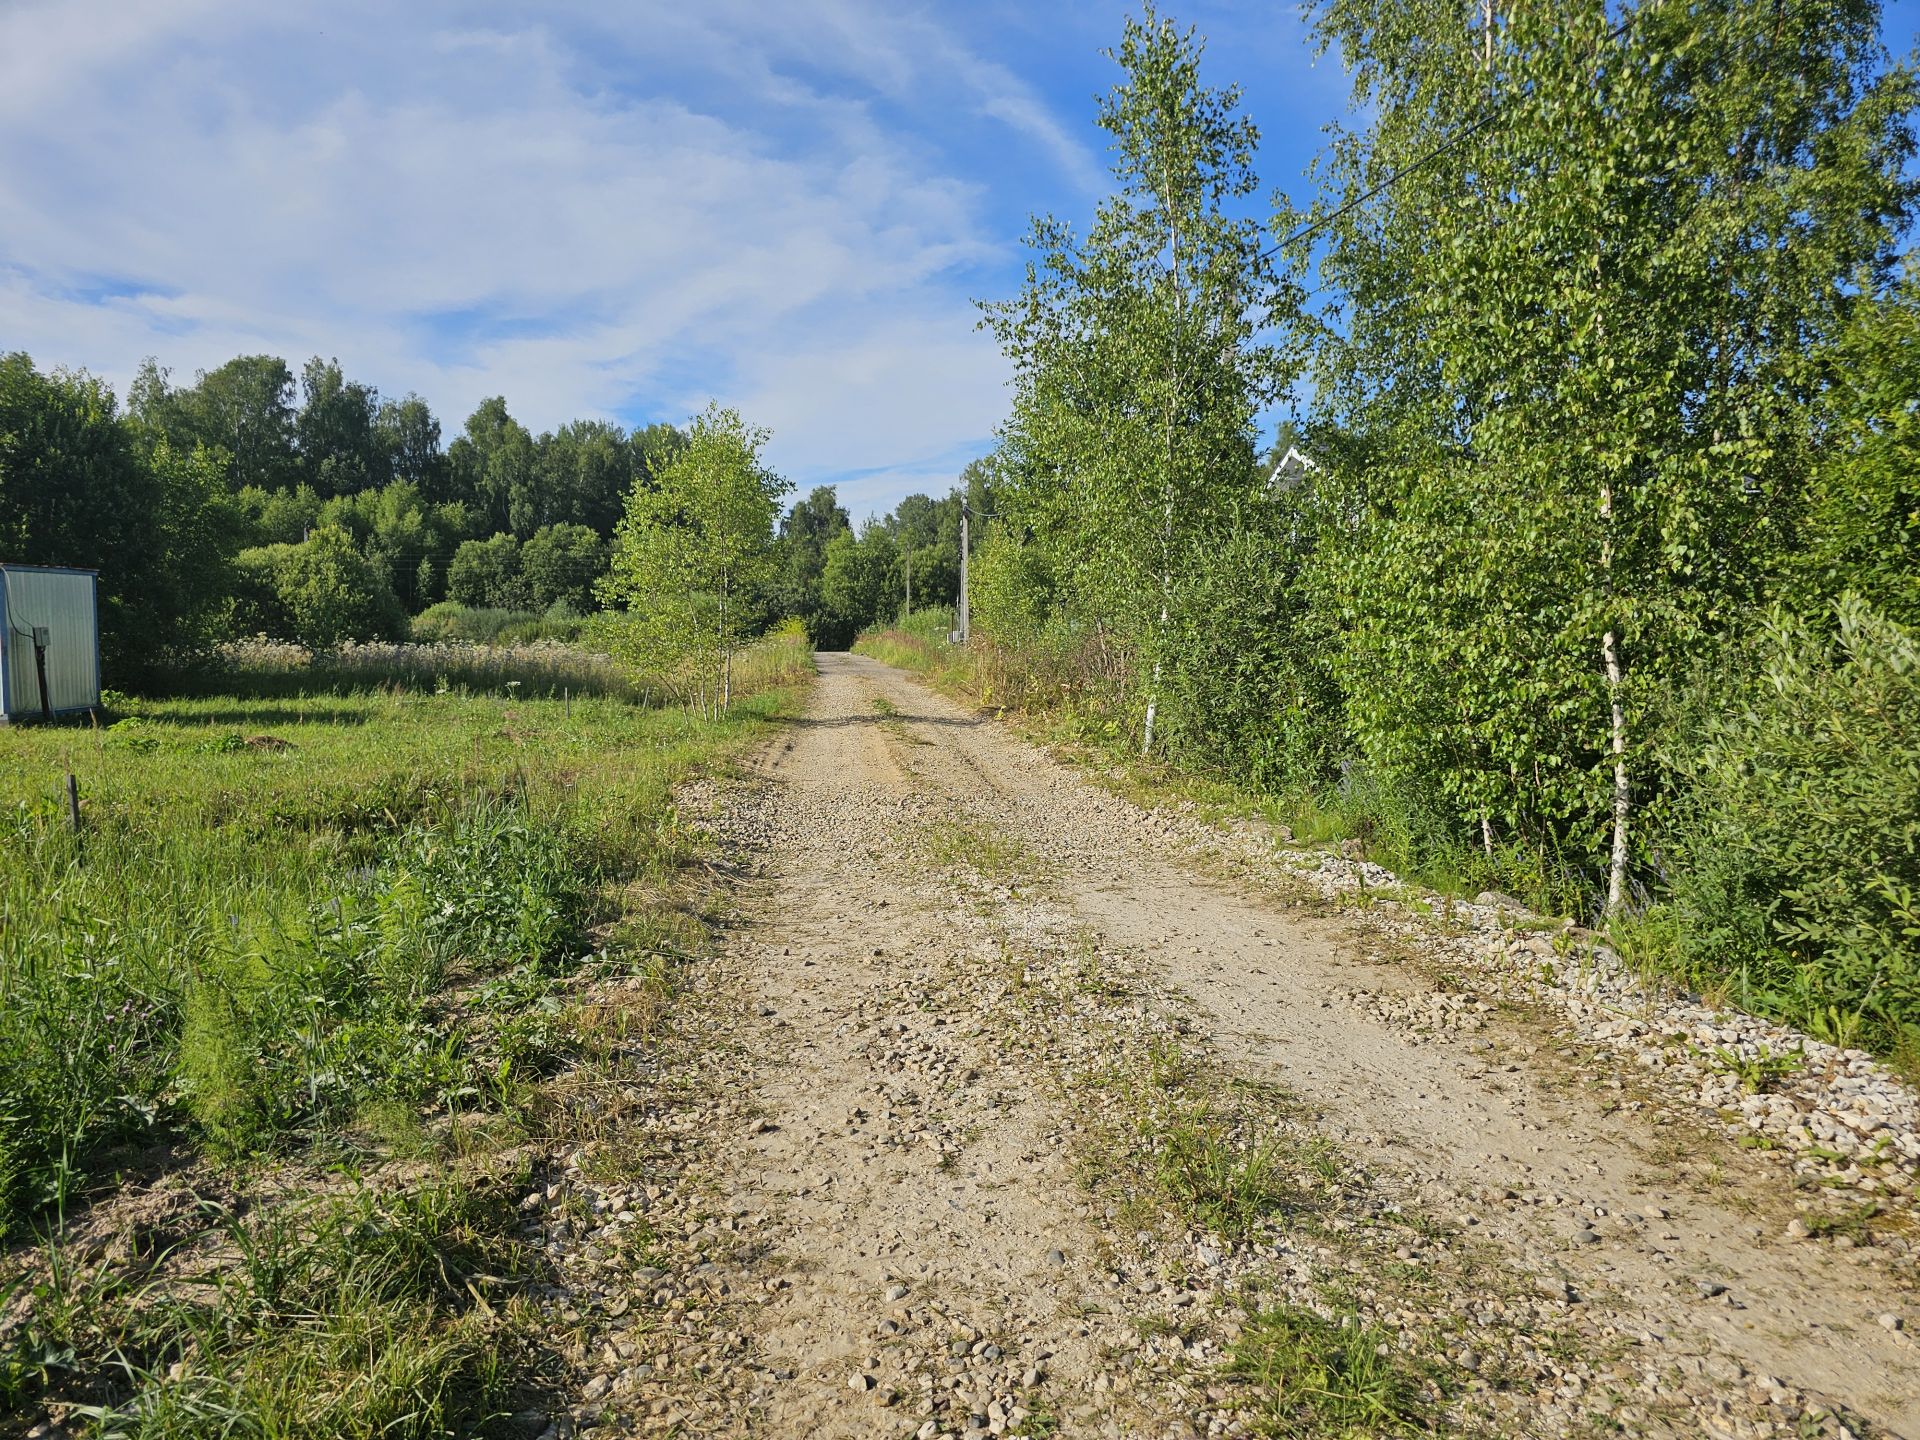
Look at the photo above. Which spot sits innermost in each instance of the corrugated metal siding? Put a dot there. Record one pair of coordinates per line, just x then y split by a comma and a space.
63, 601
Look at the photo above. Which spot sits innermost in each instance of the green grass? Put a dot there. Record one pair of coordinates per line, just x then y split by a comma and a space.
1328, 1378
1223, 1185
356, 1316
299, 937
984, 848
256, 939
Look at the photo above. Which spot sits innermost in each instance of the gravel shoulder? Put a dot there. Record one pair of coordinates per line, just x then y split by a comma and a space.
969, 1014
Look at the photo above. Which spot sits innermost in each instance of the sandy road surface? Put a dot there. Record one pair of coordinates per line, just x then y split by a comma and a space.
948, 967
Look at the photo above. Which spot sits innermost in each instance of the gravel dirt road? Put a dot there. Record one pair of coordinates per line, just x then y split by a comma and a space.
1033, 1112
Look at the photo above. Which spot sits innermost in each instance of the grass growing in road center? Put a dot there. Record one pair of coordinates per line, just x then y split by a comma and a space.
1327, 1377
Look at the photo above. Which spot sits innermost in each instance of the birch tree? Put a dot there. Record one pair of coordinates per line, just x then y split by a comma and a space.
1585, 250
688, 552
1143, 353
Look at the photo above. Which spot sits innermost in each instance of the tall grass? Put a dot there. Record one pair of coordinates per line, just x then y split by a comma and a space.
261, 667
482, 625
269, 903
348, 917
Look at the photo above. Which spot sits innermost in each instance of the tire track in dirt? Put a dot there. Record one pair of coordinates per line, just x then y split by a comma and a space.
1692, 1277
950, 950
931, 1259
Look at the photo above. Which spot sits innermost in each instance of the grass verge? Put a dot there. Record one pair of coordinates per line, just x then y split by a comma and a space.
281, 1023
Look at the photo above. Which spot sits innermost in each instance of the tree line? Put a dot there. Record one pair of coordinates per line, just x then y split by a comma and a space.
311, 508
1602, 581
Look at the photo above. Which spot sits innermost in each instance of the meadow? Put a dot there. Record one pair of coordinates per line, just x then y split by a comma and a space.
323, 924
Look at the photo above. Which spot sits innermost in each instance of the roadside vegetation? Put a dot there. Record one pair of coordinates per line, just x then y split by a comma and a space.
1597, 582
280, 1027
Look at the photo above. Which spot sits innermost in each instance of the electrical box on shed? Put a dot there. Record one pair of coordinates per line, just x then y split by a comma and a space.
49, 642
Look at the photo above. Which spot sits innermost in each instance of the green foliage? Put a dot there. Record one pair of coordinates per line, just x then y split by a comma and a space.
860, 582
336, 431
307, 1020
1862, 526
290, 907
79, 488
279, 517
243, 410
1142, 355
354, 1316
486, 574
561, 564
450, 621
1010, 587
1796, 835
1328, 1377
321, 593
1571, 386
1600, 382
492, 462
689, 555
805, 533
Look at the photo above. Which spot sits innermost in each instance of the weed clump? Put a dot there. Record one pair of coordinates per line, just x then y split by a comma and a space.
1328, 1377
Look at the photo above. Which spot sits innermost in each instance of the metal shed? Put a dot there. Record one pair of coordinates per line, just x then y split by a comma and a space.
49, 642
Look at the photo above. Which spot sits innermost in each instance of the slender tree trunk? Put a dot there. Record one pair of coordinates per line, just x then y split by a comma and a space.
726, 654
1166, 512
1610, 662
1610, 659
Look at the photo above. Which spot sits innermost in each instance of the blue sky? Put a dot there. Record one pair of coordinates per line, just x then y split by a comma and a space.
596, 209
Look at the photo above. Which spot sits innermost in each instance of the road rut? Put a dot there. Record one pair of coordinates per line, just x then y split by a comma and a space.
950, 943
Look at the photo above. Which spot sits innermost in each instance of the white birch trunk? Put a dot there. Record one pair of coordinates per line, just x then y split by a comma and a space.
1617, 870
1166, 515
1617, 717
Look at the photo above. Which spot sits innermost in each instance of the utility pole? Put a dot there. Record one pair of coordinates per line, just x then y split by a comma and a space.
962, 617
907, 614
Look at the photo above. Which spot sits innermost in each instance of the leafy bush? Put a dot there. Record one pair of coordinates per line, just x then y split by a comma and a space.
486, 573
320, 593
560, 564
1796, 838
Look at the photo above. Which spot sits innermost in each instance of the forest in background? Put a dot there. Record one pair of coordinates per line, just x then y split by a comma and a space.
312, 509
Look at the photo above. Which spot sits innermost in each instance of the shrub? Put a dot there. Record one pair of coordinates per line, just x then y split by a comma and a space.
486, 573
560, 564
320, 593
1796, 837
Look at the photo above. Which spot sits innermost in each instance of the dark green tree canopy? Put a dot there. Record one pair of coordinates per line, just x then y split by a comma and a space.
80, 488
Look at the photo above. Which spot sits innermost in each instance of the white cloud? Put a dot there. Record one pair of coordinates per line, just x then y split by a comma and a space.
588, 217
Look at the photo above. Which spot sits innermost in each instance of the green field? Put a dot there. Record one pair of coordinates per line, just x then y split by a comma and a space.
293, 941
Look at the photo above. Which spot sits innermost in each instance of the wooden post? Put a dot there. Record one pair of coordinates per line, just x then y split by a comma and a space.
566, 698
962, 627
73, 803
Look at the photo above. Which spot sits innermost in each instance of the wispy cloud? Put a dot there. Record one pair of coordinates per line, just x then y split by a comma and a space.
756, 203
591, 209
